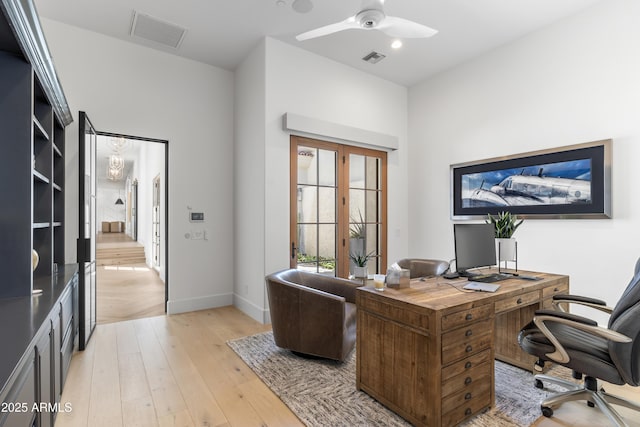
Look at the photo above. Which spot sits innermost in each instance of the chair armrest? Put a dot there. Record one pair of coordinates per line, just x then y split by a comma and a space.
560, 355
580, 300
567, 316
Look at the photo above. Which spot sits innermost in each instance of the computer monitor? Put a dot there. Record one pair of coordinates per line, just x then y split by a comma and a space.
474, 245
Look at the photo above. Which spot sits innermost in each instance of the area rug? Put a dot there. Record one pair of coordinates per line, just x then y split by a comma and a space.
322, 392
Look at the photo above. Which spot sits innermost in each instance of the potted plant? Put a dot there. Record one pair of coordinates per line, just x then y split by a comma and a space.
505, 224
357, 235
360, 260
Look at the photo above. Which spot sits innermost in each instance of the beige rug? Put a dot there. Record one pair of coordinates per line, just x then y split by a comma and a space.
322, 392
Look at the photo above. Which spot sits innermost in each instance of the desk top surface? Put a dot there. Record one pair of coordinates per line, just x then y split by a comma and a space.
438, 293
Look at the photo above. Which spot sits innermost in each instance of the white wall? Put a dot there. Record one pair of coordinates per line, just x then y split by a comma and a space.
138, 91
300, 82
106, 209
572, 82
150, 165
249, 184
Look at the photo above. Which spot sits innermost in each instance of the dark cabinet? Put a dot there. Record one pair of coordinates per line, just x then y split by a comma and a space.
31, 396
17, 407
45, 373
37, 330
33, 117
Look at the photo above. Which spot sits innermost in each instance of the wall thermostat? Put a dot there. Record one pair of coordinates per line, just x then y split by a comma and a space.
196, 216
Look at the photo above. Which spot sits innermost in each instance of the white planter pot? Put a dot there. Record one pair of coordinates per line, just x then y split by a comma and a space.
360, 271
506, 250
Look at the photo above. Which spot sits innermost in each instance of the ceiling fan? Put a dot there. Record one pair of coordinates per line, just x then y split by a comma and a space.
372, 17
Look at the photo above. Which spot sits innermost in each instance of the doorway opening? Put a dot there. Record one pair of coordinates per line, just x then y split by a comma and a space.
131, 269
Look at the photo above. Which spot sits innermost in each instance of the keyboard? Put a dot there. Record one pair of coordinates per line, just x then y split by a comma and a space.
489, 278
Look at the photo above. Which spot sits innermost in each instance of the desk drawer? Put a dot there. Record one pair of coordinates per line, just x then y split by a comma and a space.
390, 311
517, 301
467, 333
466, 380
465, 317
464, 403
466, 365
550, 291
468, 346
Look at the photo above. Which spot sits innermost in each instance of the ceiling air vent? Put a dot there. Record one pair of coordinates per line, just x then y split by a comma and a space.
374, 57
150, 28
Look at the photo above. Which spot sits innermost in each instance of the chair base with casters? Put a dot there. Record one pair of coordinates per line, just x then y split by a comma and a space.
610, 353
586, 391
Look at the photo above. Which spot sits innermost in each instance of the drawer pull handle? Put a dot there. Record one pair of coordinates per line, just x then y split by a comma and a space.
467, 412
467, 365
467, 396
469, 349
468, 316
519, 301
468, 333
467, 381
555, 289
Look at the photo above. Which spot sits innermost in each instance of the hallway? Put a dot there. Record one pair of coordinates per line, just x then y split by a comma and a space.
127, 288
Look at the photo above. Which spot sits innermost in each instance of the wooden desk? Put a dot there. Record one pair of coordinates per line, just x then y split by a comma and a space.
426, 352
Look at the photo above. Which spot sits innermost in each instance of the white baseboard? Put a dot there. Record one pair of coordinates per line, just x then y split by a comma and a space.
201, 303
257, 313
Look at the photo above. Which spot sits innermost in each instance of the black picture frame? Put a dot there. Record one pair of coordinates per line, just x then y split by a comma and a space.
566, 182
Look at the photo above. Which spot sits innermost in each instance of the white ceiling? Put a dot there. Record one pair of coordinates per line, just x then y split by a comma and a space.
223, 32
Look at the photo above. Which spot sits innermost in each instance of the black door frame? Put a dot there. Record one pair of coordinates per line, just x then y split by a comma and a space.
83, 245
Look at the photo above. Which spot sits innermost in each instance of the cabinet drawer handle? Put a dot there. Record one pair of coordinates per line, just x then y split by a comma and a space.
468, 316
467, 365
467, 381
519, 301
468, 333
555, 289
467, 412
467, 396
469, 349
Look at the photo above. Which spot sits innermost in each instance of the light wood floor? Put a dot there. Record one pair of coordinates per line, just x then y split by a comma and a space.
126, 291
178, 371
170, 371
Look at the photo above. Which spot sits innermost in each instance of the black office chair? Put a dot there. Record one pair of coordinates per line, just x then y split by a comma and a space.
611, 354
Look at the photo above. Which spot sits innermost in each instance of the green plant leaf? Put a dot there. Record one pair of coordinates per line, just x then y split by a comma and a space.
505, 224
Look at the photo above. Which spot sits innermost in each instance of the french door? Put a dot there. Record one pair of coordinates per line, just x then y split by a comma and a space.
86, 252
338, 207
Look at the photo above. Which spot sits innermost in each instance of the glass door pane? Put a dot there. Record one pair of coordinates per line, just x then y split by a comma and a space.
314, 248
366, 212
86, 254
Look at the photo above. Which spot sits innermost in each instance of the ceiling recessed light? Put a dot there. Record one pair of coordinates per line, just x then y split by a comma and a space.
397, 44
302, 6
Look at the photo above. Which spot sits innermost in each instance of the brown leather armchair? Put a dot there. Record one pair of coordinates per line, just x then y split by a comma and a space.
424, 267
313, 314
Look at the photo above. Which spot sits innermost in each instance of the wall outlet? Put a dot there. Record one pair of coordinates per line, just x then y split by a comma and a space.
199, 235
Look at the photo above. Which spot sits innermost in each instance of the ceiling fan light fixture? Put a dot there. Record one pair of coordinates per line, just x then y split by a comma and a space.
370, 18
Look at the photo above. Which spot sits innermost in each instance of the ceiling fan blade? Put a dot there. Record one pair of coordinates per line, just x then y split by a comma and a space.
404, 29
329, 29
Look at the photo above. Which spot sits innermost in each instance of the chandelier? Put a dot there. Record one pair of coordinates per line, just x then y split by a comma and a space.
115, 169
